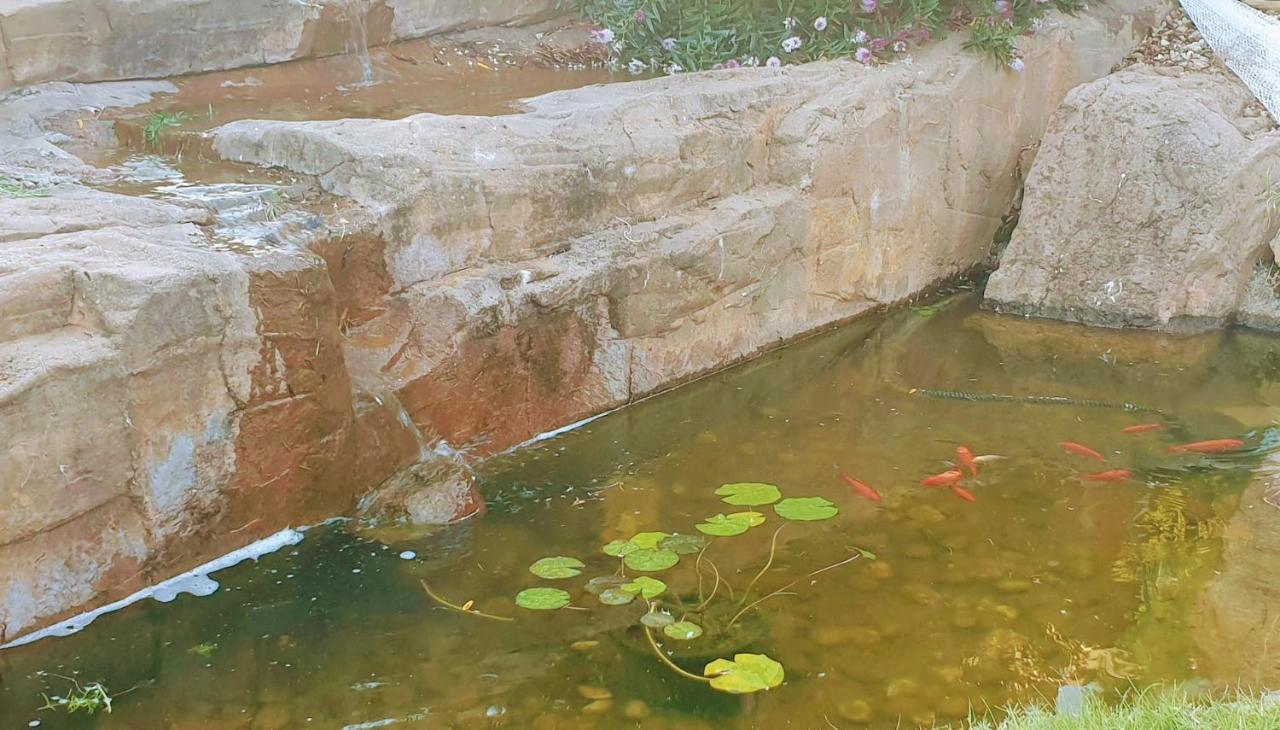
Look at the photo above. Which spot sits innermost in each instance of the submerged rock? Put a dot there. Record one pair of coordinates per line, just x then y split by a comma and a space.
1146, 206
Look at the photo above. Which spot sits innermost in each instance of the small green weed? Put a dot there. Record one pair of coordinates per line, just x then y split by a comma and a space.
14, 189
160, 121
89, 699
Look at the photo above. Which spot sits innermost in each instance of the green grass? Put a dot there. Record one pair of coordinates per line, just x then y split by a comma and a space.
13, 189
160, 121
1152, 709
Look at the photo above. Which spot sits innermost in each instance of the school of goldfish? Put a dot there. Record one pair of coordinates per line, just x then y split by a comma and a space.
968, 465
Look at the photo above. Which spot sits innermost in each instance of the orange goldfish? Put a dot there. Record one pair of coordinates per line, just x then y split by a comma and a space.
860, 488
1072, 447
1214, 446
965, 457
963, 493
1142, 428
947, 478
1114, 475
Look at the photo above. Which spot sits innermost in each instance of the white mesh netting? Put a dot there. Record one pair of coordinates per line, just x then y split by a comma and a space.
1247, 40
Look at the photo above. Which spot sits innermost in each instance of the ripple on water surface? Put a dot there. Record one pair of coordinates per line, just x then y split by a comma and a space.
1045, 579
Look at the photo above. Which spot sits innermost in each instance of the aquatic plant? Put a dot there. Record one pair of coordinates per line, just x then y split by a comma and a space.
716, 617
160, 121
89, 699
680, 35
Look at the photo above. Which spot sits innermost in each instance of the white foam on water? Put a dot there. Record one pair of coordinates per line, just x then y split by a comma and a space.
194, 582
556, 432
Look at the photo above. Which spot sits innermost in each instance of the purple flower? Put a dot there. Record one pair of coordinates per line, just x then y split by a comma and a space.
820, 24
640, 16
1017, 65
863, 55
773, 62
602, 35
869, 6
718, 67
860, 37
732, 63
791, 44
668, 44
1005, 8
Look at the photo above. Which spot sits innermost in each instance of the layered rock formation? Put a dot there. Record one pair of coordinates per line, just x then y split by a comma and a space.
1151, 203
477, 281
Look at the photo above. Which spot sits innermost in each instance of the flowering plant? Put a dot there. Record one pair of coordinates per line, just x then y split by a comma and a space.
671, 35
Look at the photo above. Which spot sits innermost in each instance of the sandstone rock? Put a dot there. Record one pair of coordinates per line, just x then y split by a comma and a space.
84, 40
1145, 206
436, 491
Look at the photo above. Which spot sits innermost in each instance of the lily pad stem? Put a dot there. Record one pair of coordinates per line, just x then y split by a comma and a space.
667, 660
773, 550
783, 589
469, 611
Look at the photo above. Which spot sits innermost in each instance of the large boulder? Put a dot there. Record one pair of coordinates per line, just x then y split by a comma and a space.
1150, 204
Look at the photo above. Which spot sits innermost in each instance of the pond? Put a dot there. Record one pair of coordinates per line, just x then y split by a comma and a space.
896, 605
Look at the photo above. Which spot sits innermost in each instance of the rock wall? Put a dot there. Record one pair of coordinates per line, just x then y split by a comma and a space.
1151, 203
487, 279
92, 40
542, 267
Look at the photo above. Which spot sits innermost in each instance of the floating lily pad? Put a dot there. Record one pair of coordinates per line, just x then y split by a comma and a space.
616, 597
682, 631
683, 544
657, 619
723, 526
749, 494
619, 548
806, 509
745, 674
648, 540
598, 585
753, 519
651, 560
557, 567
542, 599
648, 587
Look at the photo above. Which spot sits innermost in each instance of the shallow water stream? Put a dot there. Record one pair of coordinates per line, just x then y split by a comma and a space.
1045, 579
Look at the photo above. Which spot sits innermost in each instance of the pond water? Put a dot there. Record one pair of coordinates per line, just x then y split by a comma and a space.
1045, 579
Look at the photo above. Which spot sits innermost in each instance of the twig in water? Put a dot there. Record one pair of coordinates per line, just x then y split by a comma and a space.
460, 609
670, 664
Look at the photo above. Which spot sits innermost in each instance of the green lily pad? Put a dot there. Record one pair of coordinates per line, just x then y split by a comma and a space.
651, 560
806, 509
648, 587
657, 619
599, 585
542, 599
648, 540
683, 544
749, 494
722, 526
616, 597
619, 548
557, 567
745, 674
753, 519
682, 631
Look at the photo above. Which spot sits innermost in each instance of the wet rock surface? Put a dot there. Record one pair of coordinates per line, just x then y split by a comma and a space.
1147, 205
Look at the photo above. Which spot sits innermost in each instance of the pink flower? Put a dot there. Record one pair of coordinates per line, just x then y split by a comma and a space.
869, 6
879, 44
602, 35
640, 16
732, 63
1005, 8
863, 55
773, 62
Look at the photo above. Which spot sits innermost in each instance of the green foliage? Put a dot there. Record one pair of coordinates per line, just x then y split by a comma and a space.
89, 699
648, 587
746, 673
748, 494
651, 560
557, 567
542, 599
682, 631
160, 121
806, 509
13, 189
692, 35
723, 526
683, 544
